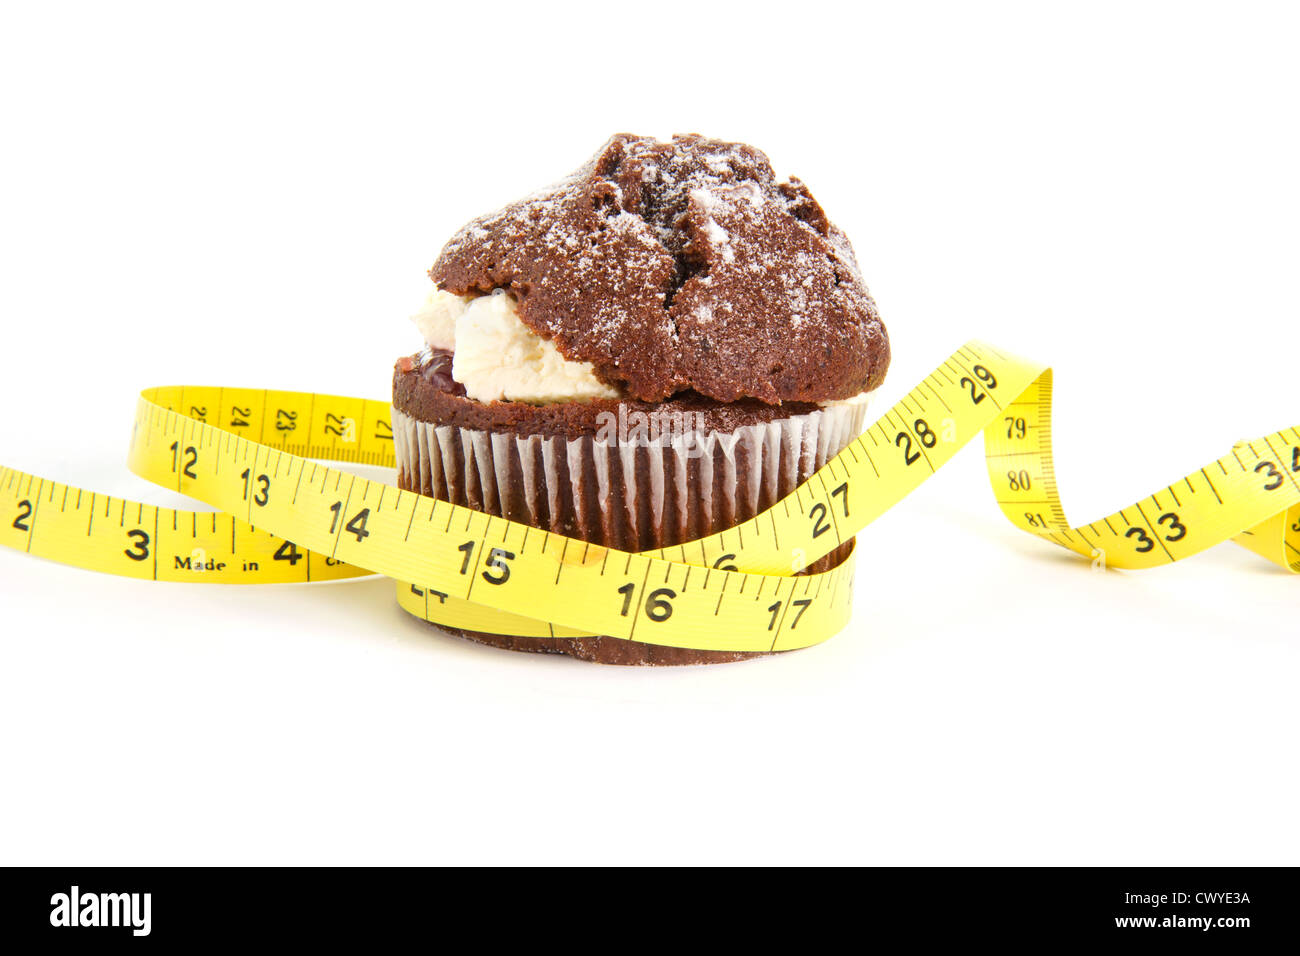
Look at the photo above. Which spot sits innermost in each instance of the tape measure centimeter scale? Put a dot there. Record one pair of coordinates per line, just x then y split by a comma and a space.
285, 517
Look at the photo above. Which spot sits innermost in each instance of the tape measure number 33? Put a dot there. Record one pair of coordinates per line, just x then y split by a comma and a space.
283, 516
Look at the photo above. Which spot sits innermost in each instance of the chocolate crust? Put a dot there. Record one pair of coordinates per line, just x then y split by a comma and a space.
682, 266
427, 401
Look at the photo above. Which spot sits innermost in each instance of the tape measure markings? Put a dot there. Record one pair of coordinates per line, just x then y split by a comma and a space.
557, 589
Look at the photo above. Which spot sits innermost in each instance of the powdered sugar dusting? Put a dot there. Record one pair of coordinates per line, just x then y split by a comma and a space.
682, 265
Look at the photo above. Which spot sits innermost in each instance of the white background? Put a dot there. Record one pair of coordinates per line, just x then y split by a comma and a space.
251, 196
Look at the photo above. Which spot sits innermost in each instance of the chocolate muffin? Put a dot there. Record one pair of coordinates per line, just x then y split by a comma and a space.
657, 347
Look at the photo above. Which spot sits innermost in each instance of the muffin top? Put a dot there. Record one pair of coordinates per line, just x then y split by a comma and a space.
681, 266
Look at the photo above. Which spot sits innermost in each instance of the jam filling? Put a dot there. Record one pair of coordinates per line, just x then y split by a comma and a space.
434, 366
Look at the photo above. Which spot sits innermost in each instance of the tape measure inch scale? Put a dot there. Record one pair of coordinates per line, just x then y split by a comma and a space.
284, 517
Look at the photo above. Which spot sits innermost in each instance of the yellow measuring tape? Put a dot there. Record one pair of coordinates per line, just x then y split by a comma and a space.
285, 517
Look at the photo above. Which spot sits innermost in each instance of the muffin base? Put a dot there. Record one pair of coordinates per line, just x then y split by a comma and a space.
603, 650
544, 466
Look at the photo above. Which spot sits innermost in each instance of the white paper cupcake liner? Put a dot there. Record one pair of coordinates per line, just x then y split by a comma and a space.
629, 494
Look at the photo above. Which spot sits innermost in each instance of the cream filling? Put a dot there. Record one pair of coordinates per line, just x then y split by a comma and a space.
436, 319
496, 357
860, 400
